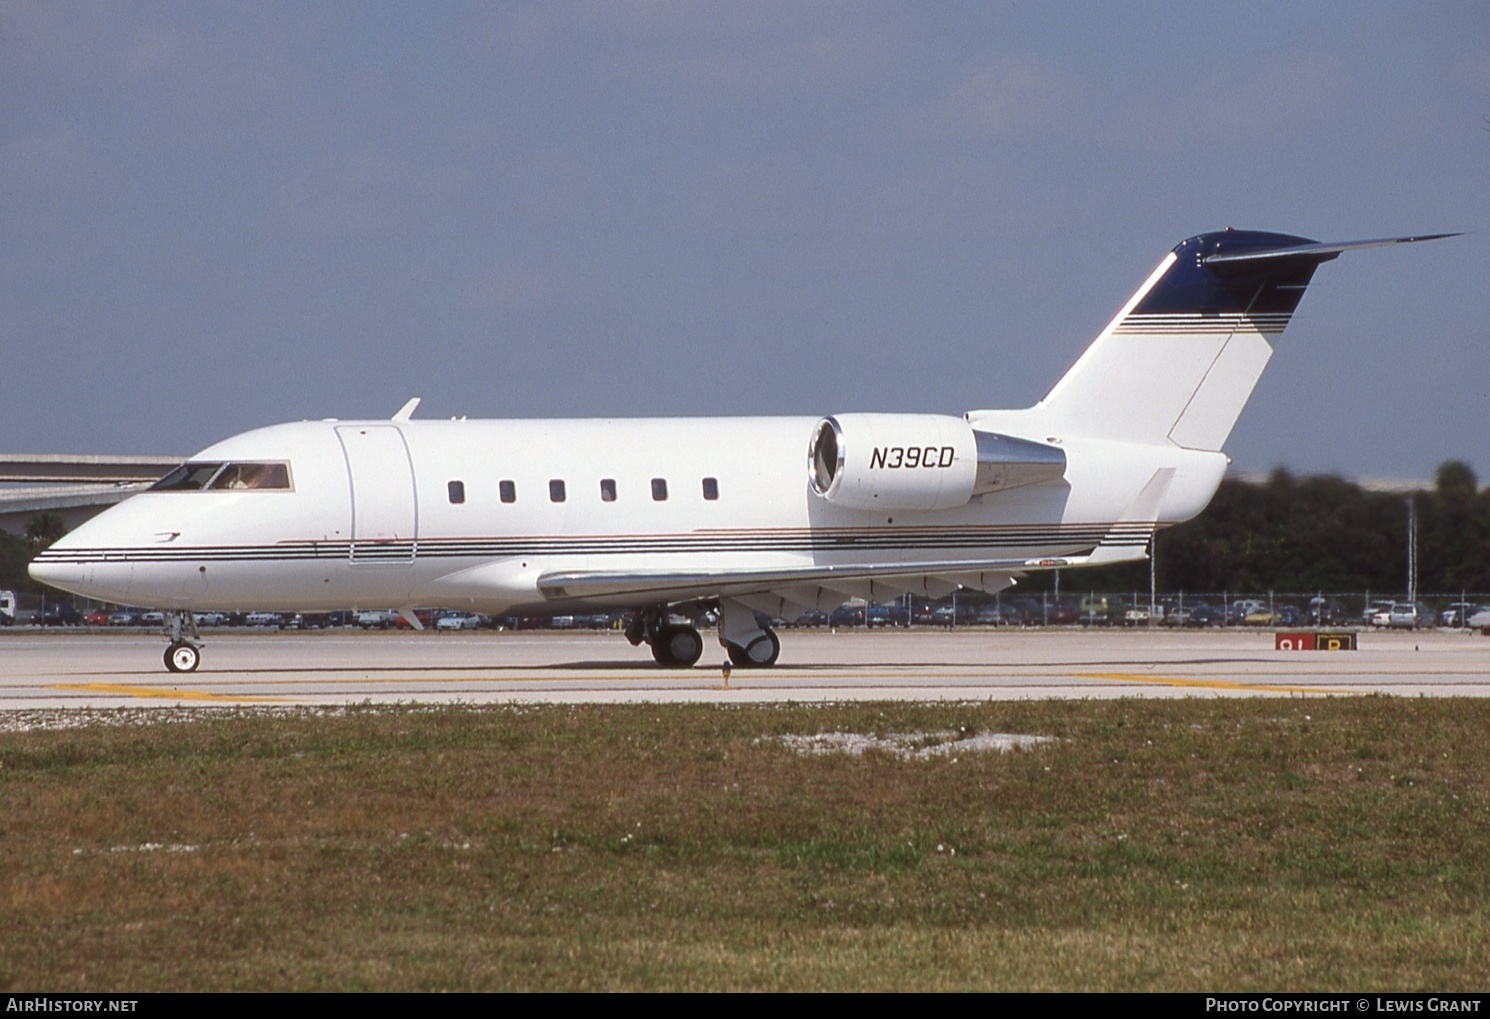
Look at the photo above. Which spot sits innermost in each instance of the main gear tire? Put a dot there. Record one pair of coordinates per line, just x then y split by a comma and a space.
677, 647
761, 653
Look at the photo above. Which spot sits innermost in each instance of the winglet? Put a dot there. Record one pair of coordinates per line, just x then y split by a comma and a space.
406, 412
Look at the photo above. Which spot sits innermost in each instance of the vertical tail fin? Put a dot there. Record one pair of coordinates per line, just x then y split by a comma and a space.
1179, 361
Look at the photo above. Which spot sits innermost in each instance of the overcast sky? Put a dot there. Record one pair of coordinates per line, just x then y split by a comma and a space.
219, 216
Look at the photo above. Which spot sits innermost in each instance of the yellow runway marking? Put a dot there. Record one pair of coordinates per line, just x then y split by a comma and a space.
1211, 684
163, 693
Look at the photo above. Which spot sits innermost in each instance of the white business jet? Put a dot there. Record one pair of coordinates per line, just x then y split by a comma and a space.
669, 517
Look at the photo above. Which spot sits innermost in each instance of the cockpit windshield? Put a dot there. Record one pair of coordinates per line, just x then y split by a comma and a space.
226, 477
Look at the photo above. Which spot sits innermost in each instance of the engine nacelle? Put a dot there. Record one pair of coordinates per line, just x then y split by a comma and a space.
920, 461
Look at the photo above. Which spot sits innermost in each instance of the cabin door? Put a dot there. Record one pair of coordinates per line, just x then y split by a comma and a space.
384, 511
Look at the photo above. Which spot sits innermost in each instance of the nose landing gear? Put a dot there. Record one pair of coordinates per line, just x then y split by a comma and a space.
185, 653
183, 657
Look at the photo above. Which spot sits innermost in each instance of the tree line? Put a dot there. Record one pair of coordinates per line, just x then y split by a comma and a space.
1317, 533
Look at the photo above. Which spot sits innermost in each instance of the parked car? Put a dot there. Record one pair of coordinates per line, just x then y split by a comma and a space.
1202, 614
1460, 614
307, 620
1291, 615
1099, 610
380, 619
1137, 615
458, 621
1173, 612
1325, 612
98, 617
7, 608
58, 613
1003, 615
1062, 612
810, 618
1410, 616
847, 615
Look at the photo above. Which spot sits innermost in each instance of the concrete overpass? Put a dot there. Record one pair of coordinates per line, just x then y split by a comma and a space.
73, 486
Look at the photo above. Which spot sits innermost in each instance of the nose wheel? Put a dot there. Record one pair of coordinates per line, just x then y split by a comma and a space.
185, 652
183, 657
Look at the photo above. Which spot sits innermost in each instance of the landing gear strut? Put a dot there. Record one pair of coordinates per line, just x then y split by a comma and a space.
674, 645
185, 652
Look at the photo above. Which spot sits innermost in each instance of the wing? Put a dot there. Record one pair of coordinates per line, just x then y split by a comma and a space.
785, 592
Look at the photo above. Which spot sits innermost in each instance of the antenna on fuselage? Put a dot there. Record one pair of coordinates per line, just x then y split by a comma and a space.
406, 412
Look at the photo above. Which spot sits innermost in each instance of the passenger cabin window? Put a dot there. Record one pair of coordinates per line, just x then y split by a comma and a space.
659, 489
457, 492
556, 490
607, 489
226, 477
507, 490
711, 489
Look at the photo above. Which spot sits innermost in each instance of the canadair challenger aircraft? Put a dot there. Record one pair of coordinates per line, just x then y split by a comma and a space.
668, 516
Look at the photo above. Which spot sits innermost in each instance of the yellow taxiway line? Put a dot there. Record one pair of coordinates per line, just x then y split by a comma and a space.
163, 693
175, 693
1209, 684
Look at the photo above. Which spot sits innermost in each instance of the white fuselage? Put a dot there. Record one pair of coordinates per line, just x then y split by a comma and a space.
411, 513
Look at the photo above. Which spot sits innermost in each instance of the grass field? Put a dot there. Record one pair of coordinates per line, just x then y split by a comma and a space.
1157, 844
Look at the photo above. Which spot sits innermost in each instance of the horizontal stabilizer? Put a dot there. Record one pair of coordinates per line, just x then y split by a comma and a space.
1315, 251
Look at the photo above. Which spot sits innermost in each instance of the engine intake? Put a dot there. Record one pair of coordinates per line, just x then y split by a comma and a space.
920, 461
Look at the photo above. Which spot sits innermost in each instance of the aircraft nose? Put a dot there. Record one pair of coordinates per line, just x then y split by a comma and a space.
63, 575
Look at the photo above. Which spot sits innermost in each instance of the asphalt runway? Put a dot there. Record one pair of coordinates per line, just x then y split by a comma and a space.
112, 669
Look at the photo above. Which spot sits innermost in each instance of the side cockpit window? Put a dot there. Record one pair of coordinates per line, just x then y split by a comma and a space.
226, 477
189, 477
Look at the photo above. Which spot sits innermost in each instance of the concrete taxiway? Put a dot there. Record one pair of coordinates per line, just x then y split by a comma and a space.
76, 669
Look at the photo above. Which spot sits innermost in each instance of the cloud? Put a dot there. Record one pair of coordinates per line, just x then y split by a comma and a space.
46, 158
773, 45
1271, 101
688, 20
511, 286
827, 58
368, 188
1009, 95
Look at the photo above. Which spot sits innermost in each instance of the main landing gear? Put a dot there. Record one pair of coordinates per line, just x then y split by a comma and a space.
760, 653
185, 652
674, 645
749, 644
679, 646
